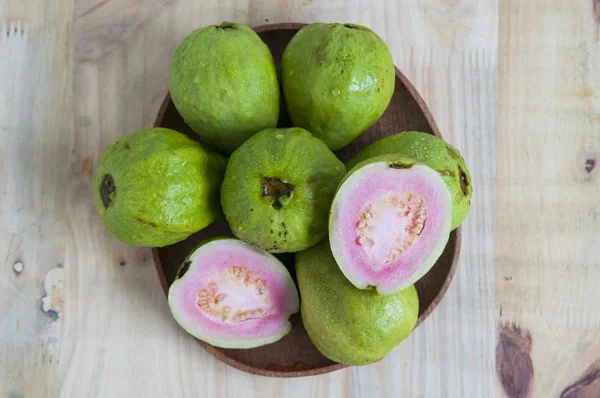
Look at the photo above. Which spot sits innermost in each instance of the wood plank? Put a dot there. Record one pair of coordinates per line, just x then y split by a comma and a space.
548, 196
36, 134
114, 335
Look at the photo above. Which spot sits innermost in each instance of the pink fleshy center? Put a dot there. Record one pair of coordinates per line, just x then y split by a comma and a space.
390, 225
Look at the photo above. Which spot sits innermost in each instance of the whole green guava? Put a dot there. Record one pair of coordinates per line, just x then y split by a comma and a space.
337, 80
435, 153
224, 84
156, 187
347, 324
278, 188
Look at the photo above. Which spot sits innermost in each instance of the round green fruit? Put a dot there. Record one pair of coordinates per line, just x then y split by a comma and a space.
278, 188
224, 84
435, 153
156, 187
346, 324
337, 80
231, 294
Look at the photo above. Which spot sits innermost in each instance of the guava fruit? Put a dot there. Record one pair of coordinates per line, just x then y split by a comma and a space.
278, 188
223, 82
337, 80
233, 295
156, 187
389, 223
346, 324
435, 153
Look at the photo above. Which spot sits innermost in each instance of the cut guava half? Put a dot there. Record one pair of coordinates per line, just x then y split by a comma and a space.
233, 295
389, 223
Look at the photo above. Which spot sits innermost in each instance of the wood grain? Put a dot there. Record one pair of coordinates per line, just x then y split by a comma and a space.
111, 334
548, 234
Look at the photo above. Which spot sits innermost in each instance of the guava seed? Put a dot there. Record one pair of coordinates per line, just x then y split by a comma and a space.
385, 237
222, 300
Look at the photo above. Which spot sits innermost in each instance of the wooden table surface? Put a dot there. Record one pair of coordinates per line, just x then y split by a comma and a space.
514, 84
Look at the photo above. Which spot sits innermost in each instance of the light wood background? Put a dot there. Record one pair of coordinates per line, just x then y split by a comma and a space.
515, 85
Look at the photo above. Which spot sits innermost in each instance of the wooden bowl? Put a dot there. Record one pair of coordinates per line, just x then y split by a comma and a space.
294, 355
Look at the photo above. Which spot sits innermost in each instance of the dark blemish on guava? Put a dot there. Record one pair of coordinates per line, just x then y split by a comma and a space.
266, 19
446, 173
400, 165
123, 263
587, 386
590, 163
275, 188
464, 183
106, 189
142, 221
127, 146
279, 233
513, 360
184, 268
251, 209
378, 88
271, 230
508, 278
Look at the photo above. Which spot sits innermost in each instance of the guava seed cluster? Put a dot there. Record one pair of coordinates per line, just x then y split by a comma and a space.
389, 226
220, 300
363, 233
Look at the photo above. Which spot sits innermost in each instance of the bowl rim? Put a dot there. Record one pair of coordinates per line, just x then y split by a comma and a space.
214, 351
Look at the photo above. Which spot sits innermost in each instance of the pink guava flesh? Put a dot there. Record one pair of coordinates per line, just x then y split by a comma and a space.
234, 295
389, 226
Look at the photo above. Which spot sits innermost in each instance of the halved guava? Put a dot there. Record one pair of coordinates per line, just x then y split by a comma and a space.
389, 223
156, 187
278, 189
346, 324
435, 153
231, 294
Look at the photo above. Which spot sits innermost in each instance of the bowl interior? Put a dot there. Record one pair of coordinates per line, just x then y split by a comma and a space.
295, 355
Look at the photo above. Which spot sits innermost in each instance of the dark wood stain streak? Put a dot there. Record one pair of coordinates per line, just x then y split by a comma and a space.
513, 360
86, 166
587, 386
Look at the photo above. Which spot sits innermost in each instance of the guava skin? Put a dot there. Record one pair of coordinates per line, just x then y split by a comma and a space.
156, 187
346, 324
337, 81
435, 153
278, 188
224, 84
